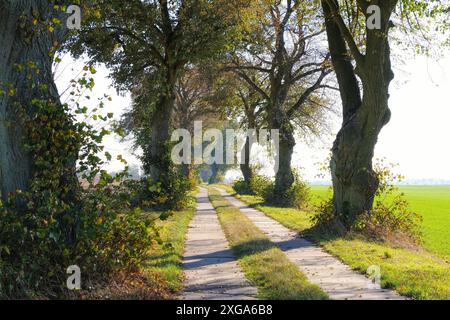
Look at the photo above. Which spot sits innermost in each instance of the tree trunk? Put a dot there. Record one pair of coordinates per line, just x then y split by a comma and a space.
186, 170
246, 168
27, 79
354, 181
158, 161
250, 115
284, 177
214, 172
20, 46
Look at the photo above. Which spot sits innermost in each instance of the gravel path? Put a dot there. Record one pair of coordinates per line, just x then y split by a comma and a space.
211, 270
321, 268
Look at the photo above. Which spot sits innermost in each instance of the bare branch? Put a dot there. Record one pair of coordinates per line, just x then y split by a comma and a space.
357, 55
304, 97
245, 77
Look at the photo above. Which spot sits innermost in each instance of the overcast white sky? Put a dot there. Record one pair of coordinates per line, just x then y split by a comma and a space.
417, 137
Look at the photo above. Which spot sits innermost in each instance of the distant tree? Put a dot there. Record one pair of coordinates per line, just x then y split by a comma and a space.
202, 96
148, 45
248, 110
219, 170
252, 107
280, 58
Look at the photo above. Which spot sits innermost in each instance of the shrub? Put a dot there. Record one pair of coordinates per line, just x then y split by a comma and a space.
258, 185
193, 178
390, 219
172, 193
394, 222
324, 213
297, 196
325, 221
36, 250
240, 186
177, 190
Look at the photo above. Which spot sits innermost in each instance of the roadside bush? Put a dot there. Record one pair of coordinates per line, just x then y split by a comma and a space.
218, 177
297, 196
240, 186
37, 244
325, 221
172, 193
258, 185
176, 190
193, 178
393, 223
390, 219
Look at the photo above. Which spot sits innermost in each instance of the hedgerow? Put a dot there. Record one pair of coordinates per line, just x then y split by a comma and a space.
56, 223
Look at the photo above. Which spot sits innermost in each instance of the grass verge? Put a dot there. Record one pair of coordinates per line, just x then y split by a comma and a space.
414, 273
165, 257
432, 202
263, 263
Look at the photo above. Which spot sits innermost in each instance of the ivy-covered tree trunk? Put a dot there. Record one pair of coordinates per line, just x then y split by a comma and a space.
354, 180
159, 154
24, 59
38, 141
15, 163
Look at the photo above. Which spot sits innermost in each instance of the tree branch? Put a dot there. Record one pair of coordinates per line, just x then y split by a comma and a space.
357, 55
304, 97
257, 88
128, 33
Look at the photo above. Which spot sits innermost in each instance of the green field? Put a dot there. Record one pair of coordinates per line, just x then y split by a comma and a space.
432, 202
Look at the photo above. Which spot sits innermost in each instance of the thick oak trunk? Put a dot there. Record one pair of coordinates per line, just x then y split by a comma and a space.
26, 76
354, 180
21, 45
